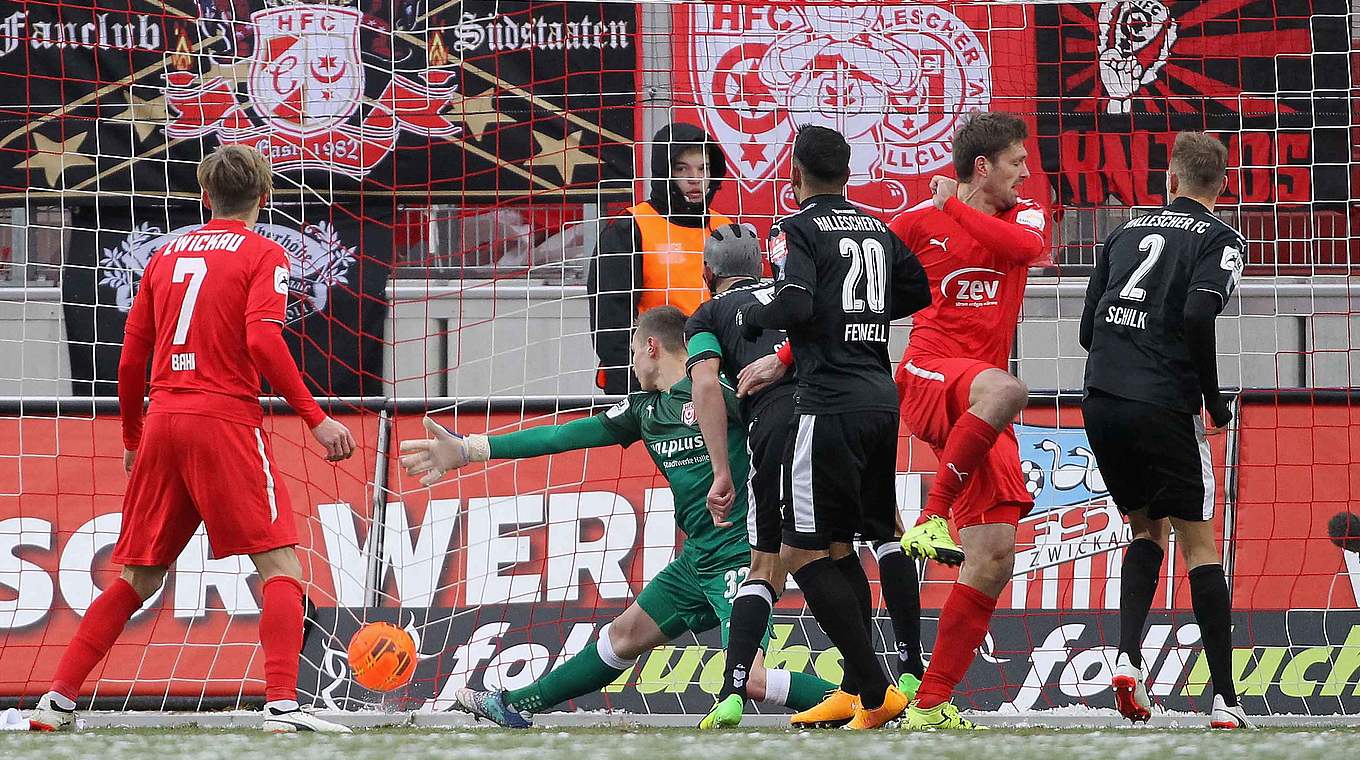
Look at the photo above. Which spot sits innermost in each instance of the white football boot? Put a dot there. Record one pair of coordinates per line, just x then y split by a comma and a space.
292, 718
1228, 717
47, 716
1130, 691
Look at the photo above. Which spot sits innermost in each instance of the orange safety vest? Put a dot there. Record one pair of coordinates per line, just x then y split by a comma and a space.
672, 260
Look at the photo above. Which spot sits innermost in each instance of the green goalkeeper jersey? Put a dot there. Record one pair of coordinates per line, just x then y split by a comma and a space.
667, 424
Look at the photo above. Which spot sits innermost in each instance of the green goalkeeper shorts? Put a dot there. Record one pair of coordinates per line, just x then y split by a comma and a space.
681, 599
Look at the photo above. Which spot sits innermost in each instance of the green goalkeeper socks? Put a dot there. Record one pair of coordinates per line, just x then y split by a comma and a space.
583, 674
588, 672
806, 691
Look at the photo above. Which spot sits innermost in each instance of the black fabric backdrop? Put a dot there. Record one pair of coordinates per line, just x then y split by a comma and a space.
340, 260
1116, 83
358, 106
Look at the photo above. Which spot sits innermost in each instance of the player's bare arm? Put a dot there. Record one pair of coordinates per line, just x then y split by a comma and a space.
711, 411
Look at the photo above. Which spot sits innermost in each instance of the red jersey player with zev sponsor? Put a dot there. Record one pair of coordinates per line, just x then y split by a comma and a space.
209, 317
977, 240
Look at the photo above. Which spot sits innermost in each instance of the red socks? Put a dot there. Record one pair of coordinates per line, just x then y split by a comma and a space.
102, 625
964, 451
963, 625
281, 636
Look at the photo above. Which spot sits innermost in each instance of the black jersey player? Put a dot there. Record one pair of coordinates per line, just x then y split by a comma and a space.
1148, 324
841, 278
717, 352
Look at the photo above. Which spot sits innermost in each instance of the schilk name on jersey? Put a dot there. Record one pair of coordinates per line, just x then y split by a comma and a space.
1126, 317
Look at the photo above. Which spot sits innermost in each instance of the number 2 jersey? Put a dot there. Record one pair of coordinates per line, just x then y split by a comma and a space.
976, 289
197, 298
1136, 301
861, 277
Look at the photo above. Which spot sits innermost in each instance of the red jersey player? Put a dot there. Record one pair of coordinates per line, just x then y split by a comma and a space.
209, 316
977, 240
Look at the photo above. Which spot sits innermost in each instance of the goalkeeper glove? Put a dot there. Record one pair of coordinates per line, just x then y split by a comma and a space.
431, 458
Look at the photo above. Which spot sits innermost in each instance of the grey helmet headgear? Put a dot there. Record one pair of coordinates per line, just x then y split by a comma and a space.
733, 250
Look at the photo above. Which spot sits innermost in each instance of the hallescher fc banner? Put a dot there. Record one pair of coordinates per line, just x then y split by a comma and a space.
432, 102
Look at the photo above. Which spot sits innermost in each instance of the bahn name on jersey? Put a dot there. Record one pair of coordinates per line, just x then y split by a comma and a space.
182, 362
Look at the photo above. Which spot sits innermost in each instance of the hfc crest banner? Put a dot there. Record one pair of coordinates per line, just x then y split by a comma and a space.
895, 79
466, 102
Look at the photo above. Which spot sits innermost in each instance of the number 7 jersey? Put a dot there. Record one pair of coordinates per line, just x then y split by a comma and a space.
195, 299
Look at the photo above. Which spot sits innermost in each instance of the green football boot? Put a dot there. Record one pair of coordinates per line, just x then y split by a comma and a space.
908, 684
931, 540
725, 714
944, 716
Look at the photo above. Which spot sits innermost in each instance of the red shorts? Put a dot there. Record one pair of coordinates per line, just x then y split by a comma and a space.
934, 394
193, 469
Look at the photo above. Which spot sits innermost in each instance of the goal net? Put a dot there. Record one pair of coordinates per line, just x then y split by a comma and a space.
445, 172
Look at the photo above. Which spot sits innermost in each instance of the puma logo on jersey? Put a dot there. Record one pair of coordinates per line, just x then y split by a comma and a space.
941, 242
972, 287
960, 475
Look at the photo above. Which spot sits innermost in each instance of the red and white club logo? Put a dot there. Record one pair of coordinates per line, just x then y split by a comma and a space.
305, 102
687, 415
306, 72
895, 77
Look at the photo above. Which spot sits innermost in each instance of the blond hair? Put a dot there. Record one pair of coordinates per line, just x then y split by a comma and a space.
235, 178
1200, 161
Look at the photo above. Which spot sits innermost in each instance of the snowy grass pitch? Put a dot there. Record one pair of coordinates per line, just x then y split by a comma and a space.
687, 744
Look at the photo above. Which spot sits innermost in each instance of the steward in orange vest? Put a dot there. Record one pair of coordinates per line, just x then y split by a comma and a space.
653, 255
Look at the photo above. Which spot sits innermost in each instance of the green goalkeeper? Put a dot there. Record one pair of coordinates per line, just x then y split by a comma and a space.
695, 591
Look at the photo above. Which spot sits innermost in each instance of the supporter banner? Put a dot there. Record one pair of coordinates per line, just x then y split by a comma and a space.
1117, 80
504, 572
1299, 661
340, 262
61, 494
469, 102
894, 79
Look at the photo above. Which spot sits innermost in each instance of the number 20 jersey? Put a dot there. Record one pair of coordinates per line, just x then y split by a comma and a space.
196, 298
861, 277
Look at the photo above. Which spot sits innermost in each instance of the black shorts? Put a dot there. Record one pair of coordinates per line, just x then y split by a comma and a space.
766, 439
1152, 458
840, 472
